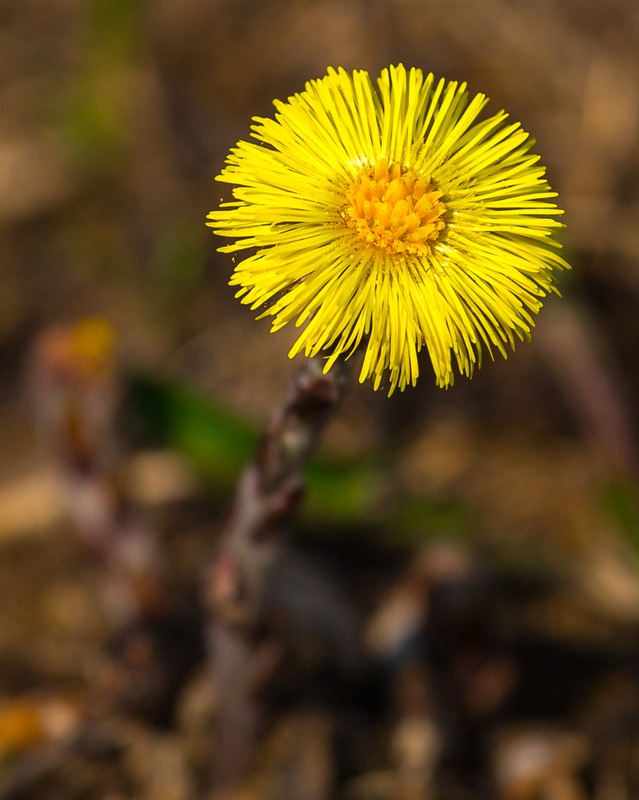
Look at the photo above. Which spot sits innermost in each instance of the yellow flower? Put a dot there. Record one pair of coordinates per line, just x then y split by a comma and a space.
389, 217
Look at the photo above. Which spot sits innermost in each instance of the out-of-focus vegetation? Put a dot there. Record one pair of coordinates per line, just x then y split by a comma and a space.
116, 116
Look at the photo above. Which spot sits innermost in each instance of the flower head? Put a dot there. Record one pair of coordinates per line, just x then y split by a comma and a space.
388, 217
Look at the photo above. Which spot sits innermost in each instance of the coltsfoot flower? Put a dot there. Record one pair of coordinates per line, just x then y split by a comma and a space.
388, 217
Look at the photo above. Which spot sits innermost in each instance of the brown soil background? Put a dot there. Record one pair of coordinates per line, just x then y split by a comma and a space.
116, 116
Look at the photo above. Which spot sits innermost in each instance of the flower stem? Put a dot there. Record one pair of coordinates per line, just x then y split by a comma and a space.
241, 628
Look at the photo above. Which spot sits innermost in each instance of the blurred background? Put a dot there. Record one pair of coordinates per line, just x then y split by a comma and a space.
116, 117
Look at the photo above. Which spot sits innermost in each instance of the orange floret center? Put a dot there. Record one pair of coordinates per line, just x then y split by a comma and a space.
395, 209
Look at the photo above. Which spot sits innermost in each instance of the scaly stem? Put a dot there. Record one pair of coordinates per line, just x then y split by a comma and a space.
241, 630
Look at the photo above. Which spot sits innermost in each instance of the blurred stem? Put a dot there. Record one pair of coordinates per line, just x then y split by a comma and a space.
240, 630
587, 372
75, 387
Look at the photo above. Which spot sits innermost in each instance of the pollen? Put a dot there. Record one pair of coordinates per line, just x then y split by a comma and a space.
393, 208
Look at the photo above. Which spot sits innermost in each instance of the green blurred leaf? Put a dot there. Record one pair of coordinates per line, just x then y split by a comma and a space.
620, 503
339, 493
95, 117
220, 443
167, 415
